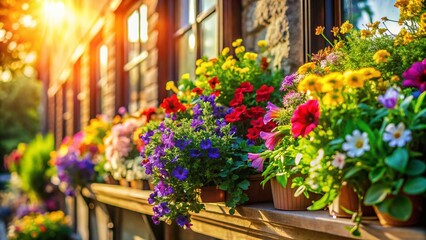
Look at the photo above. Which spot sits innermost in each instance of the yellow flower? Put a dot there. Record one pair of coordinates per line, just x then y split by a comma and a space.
185, 76
354, 79
225, 51
319, 30
237, 42
200, 70
228, 64
307, 67
198, 62
262, 43
365, 33
310, 83
332, 81
370, 73
250, 56
381, 56
240, 49
170, 85
395, 78
338, 45
335, 31
346, 27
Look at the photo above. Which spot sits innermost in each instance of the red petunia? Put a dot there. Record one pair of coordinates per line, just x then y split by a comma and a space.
246, 87
305, 118
269, 126
216, 93
257, 111
241, 109
198, 91
148, 113
253, 133
172, 104
233, 117
263, 93
257, 123
264, 63
238, 99
213, 82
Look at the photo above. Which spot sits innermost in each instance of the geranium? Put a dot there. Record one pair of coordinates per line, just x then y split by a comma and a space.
305, 118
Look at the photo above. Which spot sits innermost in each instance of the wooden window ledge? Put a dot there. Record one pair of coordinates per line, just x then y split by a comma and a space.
255, 221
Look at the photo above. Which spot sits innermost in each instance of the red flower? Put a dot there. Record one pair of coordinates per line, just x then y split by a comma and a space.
246, 87
269, 126
172, 105
198, 91
42, 228
305, 118
263, 93
216, 93
213, 82
240, 110
257, 111
233, 117
271, 139
148, 113
264, 63
238, 98
257, 123
253, 133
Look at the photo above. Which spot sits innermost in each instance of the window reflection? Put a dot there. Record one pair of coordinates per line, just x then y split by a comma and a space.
209, 33
186, 54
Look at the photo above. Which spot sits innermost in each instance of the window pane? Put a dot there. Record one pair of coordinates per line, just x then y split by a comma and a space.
133, 35
133, 90
361, 12
185, 13
144, 23
186, 54
103, 72
206, 4
209, 36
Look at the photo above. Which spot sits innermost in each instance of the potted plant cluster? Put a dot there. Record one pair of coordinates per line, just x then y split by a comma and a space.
360, 122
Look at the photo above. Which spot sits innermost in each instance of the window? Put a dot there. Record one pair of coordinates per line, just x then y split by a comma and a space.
196, 33
136, 38
77, 96
98, 75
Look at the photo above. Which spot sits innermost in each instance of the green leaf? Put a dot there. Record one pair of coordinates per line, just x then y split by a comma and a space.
224, 186
406, 102
232, 211
398, 160
282, 180
384, 206
244, 184
325, 200
401, 208
415, 167
419, 102
418, 127
376, 174
235, 177
415, 186
397, 186
376, 193
351, 172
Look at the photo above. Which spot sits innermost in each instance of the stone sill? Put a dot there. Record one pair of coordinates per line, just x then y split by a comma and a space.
255, 221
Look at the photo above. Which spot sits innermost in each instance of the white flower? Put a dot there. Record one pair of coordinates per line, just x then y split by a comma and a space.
318, 159
397, 136
298, 158
339, 160
356, 144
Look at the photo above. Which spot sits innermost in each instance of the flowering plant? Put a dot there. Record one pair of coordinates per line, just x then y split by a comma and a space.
185, 153
53, 225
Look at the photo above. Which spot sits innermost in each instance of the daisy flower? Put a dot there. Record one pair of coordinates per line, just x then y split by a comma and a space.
396, 136
356, 144
339, 160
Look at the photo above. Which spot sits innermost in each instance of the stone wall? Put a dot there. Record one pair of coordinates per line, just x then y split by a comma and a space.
279, 23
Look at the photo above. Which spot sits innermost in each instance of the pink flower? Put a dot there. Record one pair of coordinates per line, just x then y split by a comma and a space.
271, 139
305, 118
256, 161
272, 113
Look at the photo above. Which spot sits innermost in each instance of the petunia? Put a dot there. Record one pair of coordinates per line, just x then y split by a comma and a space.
389, 99
397, 136
180, 173
263, 93
172, 105
339, 160
205, 144
246, 87
305, 118
253, 133
356, 144
213, 153
415, 76
272, 113
183, 221
194, 153
256, 161
271, 139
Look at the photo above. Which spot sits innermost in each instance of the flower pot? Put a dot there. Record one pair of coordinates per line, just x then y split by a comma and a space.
284, 199
124, 182
348, 199
256, 193
212, 194
415, 218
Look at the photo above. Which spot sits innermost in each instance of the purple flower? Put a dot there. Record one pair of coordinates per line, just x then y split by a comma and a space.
183, 221
161, 209
180, 173
233, 130
155, 220
197, 110
213, 153
205, 144
146, 138
271, 139
163, 189
182, 143
195, 123
256, 161
194, 153
168, 140
415, 76
151, 198
272, 113
291, 98
389, 99
288, 82
221, 123
122, 110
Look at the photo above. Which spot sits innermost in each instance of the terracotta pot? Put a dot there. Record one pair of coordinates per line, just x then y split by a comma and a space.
415, 218
256, 193
348, 199
124, 183
284, 199
141, 185
210, 194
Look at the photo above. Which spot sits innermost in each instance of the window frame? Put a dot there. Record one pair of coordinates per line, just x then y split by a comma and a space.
96, 98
